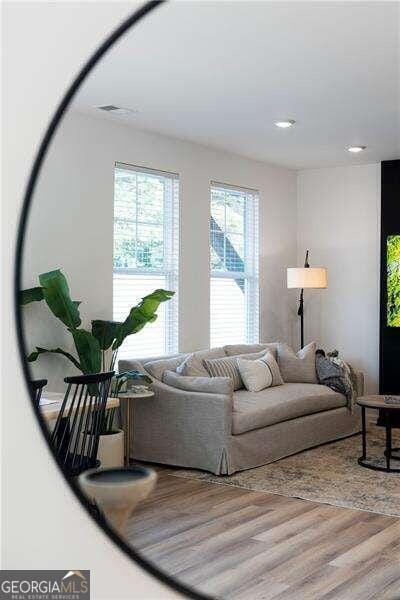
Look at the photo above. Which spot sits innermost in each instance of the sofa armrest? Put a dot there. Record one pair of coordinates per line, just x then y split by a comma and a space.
181, 427
202, 409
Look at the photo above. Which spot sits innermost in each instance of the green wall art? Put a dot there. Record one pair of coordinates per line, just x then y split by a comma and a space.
393, 280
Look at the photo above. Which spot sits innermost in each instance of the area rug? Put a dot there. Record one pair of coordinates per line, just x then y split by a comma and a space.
328, 474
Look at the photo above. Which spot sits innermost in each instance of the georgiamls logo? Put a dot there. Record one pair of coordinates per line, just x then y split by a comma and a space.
35, 585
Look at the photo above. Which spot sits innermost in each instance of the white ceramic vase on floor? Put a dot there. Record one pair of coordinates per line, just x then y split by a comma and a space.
117, 491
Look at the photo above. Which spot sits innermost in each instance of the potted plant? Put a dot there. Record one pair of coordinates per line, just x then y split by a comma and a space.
97, 349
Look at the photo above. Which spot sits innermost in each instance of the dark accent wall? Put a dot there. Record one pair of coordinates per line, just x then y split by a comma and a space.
389, 368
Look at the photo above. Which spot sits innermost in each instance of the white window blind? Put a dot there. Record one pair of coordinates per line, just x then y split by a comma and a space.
146, 254
234, 290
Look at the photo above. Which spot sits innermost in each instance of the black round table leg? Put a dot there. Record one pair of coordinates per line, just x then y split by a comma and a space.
364, 434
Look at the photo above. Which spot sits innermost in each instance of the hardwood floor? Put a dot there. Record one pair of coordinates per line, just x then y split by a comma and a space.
236, 544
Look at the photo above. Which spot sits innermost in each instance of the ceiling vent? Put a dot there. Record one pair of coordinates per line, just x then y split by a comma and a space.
117, 110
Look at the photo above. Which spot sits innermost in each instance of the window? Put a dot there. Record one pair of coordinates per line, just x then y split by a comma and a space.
146, 251
234, 265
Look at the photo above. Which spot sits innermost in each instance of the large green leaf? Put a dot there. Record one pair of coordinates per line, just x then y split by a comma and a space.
32, 295
88, 349
56, 294
140, 315
105, 332
36, 295
34, 355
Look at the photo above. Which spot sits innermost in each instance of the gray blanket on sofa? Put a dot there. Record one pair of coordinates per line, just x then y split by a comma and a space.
337, 375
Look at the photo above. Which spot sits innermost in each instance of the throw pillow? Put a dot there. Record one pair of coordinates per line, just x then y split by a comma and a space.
300, 367
273, 366
208, 385
238, 349
156, 368
193, 366
227, 367
256, 374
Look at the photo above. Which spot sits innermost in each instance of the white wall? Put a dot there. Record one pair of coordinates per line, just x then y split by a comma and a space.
71, 226
339, 222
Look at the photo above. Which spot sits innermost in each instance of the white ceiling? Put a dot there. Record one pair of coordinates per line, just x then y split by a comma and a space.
219, 73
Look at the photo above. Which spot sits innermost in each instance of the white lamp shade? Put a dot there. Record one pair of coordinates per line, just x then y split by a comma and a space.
310, 277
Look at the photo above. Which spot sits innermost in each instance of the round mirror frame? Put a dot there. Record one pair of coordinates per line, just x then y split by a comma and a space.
128, 24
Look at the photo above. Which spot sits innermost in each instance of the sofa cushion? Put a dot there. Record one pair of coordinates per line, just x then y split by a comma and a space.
253, 410
228, 367
208, 385
237, 349
300, 367
193, 366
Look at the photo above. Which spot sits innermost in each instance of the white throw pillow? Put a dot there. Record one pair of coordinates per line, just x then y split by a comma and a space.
256, 374
228, 367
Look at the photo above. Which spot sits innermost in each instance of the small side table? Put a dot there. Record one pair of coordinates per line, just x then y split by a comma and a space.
389, 417
126, 400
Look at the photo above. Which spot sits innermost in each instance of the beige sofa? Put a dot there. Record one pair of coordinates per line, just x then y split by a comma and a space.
202, 423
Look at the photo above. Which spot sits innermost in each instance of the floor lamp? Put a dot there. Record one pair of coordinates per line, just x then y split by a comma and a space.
306, 277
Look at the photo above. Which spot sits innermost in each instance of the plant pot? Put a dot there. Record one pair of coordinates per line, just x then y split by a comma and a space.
111, 450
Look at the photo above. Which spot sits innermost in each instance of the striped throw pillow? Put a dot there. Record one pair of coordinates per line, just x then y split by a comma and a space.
224, 367
271, 363
227, 367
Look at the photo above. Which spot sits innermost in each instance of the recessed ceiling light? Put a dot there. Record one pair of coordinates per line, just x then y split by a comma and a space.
284, 124
356, 149
117, 110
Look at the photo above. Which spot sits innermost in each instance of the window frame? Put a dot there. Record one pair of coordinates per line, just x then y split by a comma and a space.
171, 241
250, 275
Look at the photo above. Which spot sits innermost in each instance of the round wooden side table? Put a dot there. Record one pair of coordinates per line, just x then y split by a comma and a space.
389, 417
127, 399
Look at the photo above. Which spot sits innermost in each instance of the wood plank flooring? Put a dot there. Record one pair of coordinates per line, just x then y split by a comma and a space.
236, 544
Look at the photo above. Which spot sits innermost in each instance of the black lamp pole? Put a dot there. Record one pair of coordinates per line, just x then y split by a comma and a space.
300, 312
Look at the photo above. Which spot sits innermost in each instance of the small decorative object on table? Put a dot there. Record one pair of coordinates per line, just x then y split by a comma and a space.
123, 382
139, 389
392, 399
